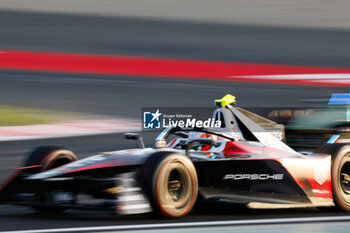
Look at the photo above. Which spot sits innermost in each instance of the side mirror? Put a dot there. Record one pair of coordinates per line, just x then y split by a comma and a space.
199, 142
135, 136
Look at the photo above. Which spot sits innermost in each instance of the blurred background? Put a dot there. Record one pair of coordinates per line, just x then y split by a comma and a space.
98, 62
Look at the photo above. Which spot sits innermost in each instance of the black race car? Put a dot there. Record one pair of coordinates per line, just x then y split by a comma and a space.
239, 162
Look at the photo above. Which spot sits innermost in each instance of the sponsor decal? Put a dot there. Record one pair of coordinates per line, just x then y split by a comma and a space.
253, 177
320, 191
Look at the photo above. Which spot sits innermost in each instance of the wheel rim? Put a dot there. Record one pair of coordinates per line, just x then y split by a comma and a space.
176, 187
344, 177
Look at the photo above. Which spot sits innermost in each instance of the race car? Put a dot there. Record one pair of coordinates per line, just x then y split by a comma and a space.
237, 162
309, 128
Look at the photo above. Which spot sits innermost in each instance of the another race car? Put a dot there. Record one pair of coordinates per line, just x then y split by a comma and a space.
311, 127
239, 162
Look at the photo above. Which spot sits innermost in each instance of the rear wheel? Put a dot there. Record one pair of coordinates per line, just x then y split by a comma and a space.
341, 180
170, 181
49, 157
340, 174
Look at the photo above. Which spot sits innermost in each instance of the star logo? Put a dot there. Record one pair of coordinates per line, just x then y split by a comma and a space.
151, 120
156, 115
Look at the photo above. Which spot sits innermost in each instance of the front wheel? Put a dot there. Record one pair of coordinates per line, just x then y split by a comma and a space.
50, 157
170, 180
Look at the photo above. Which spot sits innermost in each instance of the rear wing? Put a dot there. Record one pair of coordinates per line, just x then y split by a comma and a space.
249, 126
274, 128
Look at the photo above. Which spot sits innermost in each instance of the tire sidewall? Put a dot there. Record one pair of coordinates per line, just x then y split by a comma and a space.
160, 173
152, 174
335, 173
45, 156
52, 157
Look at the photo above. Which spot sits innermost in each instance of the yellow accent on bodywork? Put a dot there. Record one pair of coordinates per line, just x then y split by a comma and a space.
226, 100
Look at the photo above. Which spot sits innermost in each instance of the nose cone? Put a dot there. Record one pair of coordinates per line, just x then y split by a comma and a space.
45, 175
106, 160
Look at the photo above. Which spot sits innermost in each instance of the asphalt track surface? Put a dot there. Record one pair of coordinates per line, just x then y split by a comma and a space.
124, 96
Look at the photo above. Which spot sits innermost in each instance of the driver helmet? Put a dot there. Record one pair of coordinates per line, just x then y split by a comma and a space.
197, 135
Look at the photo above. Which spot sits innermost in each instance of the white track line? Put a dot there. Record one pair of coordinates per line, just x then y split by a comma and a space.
188, 224
305, 77
339, 79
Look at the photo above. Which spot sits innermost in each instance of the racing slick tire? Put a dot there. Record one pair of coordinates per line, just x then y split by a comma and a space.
50, 157
340, 173
171, 183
